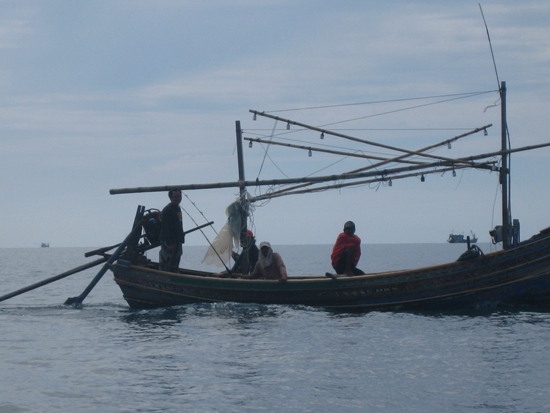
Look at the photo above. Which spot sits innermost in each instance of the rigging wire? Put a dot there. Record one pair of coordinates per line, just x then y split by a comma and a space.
452, 97
205, 237
465, 95
265, 153
402, 109
272, 161
200, 212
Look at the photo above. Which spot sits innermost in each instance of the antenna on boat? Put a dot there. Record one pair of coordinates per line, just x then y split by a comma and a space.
490, 45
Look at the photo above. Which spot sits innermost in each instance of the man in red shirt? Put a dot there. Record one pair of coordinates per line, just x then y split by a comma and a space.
347, 251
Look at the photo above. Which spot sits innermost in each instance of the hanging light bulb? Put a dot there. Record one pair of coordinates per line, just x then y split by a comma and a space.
250, 144
454, 172
485, 132
288, 125
254, 117
309, 153
390, 183
449, 145
422, 179
322, 135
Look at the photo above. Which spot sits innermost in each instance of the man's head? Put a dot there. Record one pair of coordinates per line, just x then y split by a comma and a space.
175, 196
349, 227
265, 247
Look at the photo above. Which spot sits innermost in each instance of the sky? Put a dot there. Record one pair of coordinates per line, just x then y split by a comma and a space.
102, 95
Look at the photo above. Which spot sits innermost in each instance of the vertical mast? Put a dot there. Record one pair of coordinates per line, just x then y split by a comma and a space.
505, 173
242, 195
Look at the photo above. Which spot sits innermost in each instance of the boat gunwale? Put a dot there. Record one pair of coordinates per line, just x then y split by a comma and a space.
526, 247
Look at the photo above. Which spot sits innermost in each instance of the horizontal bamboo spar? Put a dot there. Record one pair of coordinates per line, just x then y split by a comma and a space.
376, 166
332, 152
270, 182
426, 148
142, 248
327, 178
309, 188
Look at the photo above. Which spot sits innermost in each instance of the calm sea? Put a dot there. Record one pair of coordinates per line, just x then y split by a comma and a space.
104, 357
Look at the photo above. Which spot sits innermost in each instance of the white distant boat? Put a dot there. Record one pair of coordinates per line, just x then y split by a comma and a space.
460, 239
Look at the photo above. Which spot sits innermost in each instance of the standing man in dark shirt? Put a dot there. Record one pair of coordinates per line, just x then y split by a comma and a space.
171, 233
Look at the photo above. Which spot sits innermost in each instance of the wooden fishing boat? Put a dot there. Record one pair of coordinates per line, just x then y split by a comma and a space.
519, 274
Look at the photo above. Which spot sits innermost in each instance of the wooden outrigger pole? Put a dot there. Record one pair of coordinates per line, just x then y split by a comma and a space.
358, 154
351, 138
426, 148
384, 161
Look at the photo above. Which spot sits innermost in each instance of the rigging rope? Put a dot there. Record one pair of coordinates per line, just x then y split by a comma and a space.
465, 95
402, 109
206, 238
265, 153
200, 212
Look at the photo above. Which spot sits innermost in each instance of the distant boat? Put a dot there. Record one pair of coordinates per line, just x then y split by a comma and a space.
45, 245
460, 239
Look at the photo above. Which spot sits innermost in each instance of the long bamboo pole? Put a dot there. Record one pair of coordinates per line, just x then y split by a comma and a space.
426, 148
348, 137
52, 279
331, 151
295, 189
311, 189
467, 161
385, 161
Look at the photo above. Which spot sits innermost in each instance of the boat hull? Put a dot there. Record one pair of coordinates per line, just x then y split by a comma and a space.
461, 241
519, 276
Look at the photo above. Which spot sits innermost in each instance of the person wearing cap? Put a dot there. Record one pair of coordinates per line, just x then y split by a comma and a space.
270, 265
347, 251
253, 253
